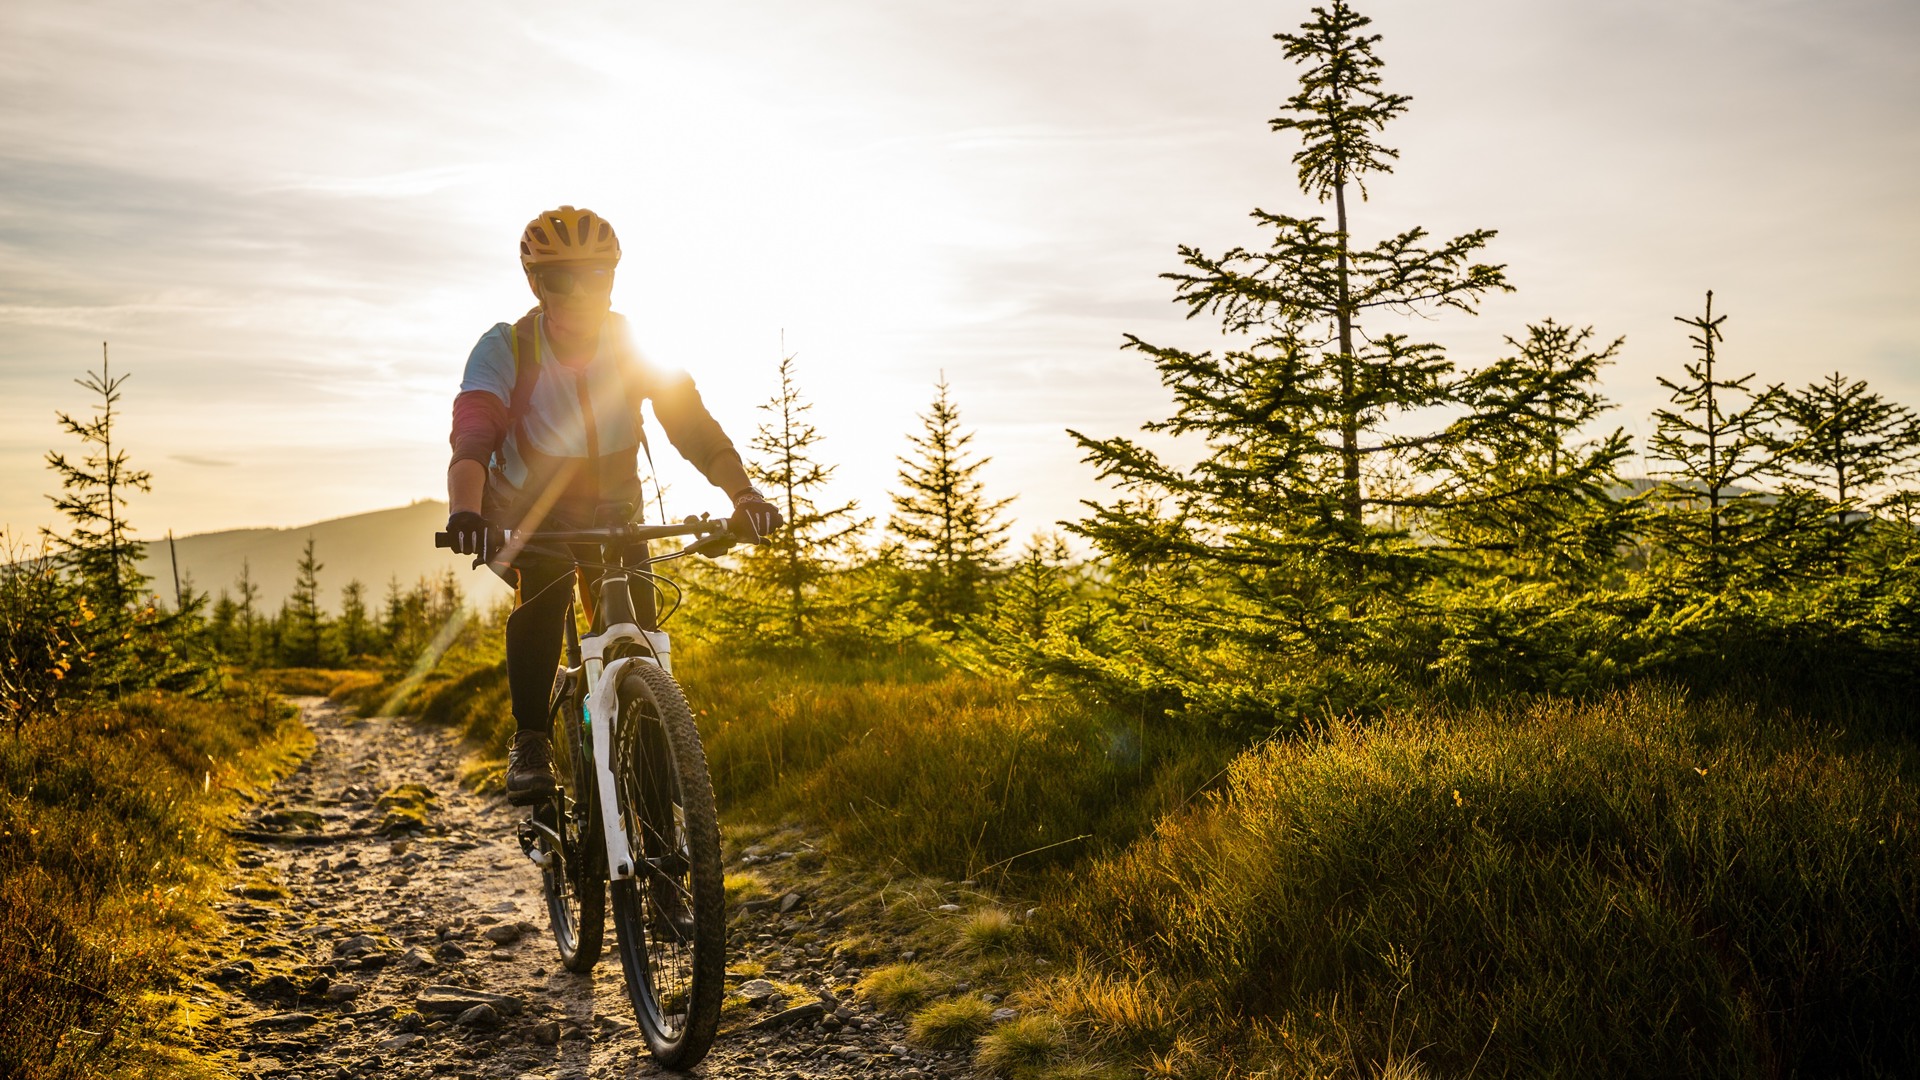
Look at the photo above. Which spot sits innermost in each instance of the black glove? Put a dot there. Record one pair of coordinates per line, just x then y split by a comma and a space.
754, 518
472, 535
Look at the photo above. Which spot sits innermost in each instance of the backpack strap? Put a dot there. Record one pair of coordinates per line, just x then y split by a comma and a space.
526, 374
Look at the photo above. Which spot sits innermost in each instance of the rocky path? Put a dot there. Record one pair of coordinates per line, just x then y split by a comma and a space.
387, 925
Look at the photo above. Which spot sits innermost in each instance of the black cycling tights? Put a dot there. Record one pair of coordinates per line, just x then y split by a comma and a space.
533, 635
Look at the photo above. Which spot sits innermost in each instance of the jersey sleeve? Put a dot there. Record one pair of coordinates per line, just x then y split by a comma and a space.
676, 404
490, 365
486, 391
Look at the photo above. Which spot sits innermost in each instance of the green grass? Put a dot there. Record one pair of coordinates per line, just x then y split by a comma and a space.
1639, 886
111, 843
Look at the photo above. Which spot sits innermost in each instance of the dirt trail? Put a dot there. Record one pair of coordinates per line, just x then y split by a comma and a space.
365, 940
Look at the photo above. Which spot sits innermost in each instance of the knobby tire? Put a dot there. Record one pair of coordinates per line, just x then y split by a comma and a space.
675, 967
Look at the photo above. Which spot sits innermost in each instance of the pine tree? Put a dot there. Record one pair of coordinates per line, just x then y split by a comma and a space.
1038, 585
1521, 487
1714, 517
303, 620
223, 625
949, 533
393, 619
784, 574
248, 592
99, 548
1846, 439
354, 630
1312, 397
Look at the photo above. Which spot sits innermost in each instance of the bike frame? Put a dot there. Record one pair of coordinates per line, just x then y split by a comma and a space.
602, 678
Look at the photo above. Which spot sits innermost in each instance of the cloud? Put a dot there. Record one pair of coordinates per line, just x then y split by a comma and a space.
195, 459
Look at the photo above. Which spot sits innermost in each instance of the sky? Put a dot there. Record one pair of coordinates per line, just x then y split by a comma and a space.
292, 221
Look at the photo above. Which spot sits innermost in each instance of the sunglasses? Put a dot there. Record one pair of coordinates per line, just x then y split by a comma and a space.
564, 282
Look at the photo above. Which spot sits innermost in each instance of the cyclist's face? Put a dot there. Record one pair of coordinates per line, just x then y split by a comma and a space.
576, 299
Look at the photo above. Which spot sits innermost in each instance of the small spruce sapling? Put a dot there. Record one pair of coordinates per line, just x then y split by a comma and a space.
787, 574
98, 547
949, 533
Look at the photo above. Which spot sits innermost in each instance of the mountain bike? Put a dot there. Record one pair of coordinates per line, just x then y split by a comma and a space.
633, 817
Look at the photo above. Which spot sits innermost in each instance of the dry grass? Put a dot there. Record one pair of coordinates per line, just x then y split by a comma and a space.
741, 887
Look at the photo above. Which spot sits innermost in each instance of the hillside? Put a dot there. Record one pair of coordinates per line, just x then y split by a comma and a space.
372, 548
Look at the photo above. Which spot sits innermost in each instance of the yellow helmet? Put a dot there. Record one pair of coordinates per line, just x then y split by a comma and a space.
567, 235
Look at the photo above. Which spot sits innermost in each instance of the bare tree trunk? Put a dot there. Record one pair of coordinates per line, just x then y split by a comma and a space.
1350, 412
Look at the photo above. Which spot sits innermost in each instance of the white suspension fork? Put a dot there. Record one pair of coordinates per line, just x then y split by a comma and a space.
603, 707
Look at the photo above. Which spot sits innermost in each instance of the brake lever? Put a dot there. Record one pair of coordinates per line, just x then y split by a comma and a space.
712, 546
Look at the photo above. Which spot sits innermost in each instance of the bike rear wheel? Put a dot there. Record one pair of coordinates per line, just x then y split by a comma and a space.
671, 914
574, 882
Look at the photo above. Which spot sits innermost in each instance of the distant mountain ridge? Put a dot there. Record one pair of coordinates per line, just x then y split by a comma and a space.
372, 548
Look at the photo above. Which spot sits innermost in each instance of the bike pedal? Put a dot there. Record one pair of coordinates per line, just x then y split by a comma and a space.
533, 841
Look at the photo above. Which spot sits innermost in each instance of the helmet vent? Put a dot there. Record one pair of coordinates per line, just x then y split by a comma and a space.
539, 235
560, 226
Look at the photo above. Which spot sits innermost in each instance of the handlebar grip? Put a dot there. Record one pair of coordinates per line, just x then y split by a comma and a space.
442, 540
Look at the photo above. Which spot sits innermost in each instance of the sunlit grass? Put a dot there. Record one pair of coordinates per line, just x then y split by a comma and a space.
1632, 885
900, 988
1023, 1043
988, 930
952, 1024
111, 838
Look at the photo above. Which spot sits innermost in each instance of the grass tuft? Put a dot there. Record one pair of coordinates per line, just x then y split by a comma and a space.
1024, 1043
1132, 1014
900, 988
988, 930
405, 808
741, 887
951, 1025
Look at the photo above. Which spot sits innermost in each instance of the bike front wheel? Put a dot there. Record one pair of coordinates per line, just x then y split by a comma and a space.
671, 915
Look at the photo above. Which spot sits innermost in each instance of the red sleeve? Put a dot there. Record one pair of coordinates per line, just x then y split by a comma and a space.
479, 426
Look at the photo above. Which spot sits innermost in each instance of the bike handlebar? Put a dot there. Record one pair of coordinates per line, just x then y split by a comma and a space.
715, 535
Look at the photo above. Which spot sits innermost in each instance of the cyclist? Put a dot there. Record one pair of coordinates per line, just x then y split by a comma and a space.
547, 431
